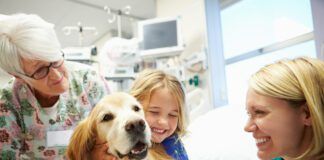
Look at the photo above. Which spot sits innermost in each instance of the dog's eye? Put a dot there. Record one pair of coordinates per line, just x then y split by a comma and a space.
136, 108
108, 117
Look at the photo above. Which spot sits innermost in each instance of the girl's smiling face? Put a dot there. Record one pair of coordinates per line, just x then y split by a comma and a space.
162, 114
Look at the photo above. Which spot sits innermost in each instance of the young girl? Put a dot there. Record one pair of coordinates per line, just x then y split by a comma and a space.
163, 99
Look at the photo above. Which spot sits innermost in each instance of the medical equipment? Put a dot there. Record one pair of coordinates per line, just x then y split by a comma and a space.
191, 61
196, 103
118, 58
80, 54
160, 37
112, 17
120, 52
80, 29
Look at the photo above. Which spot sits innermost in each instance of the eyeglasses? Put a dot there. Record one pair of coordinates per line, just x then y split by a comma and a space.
43, 71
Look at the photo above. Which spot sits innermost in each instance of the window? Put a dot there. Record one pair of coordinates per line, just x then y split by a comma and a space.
237, 74
253, 24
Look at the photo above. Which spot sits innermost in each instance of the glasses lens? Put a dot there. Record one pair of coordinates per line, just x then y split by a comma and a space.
41, 73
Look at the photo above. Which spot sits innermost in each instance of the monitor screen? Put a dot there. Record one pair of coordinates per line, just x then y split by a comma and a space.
160, 37
163, 34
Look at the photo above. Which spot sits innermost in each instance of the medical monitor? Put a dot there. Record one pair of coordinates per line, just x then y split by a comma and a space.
160, 37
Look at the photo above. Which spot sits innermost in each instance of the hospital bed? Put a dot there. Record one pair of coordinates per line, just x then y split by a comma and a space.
219, 135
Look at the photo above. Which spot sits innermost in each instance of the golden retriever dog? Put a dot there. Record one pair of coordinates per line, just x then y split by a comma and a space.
117, 119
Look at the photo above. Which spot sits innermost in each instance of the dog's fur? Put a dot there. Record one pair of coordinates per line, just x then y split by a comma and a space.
118, 119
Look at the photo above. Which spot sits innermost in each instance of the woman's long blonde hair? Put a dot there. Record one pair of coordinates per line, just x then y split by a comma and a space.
297, 81
151, 80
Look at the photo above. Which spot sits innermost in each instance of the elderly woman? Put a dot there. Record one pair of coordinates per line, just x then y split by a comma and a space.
47, 96
285, 102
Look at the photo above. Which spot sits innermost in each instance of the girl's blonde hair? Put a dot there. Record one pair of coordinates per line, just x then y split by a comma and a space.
151, 80
298, 81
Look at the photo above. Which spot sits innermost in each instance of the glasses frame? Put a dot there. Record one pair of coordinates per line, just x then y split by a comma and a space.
60, 63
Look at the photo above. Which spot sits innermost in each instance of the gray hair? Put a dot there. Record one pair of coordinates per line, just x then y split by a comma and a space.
26, 36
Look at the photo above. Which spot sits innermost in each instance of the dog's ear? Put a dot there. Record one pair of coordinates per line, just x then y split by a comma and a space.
81, 142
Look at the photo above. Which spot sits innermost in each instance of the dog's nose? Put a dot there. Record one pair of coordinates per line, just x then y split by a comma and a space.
135, 126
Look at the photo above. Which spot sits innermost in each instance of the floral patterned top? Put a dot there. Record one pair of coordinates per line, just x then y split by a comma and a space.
174, 147
24, 123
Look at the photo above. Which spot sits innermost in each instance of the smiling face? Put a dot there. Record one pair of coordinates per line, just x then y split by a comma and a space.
162, 114
55, 83
278, 128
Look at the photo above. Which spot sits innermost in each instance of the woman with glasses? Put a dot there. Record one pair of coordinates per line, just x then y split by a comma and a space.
47, 96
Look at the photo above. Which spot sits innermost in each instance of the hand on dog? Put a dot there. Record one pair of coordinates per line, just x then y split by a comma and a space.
99, 152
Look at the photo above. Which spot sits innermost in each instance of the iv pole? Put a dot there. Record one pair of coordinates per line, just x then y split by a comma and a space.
80, 29
117, 16
119, 23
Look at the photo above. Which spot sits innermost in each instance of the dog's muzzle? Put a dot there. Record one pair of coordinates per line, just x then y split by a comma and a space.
136, 131
135, 127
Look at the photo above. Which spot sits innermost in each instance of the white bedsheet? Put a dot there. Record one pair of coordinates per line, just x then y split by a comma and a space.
219, 135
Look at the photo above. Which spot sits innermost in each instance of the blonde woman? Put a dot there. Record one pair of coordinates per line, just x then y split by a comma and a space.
285, 102
162, 97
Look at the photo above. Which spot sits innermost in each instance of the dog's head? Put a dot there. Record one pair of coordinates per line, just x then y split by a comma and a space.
119, 120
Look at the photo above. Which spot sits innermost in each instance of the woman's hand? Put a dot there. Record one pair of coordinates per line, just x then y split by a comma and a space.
100, 152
